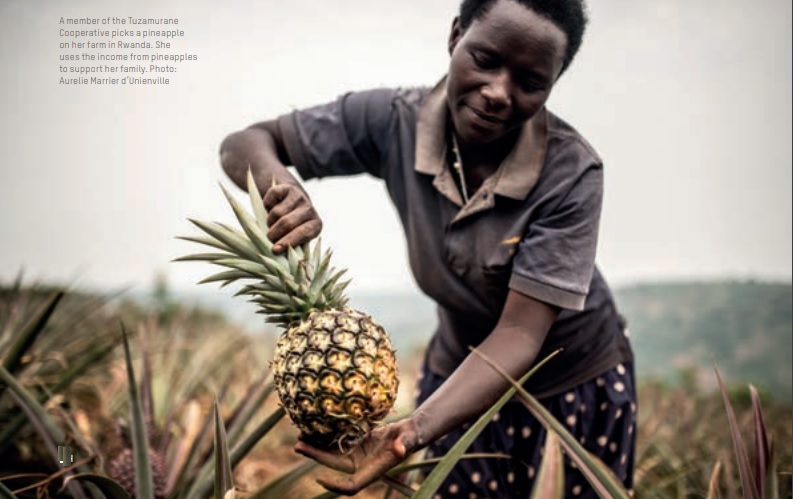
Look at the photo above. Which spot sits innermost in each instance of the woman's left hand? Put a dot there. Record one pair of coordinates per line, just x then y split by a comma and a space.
385, 447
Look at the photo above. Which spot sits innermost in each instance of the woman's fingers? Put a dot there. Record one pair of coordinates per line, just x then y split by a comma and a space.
280, 200
295, 237
367, 469
334, 460
291, 217
346, 485
380, 451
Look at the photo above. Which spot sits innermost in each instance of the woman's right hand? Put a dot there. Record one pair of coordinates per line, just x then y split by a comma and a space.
291, 216
385, 447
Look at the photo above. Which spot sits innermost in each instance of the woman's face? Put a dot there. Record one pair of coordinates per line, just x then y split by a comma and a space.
502, 70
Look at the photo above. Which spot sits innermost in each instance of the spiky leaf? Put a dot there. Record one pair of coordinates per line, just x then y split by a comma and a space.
144, 482
223, 477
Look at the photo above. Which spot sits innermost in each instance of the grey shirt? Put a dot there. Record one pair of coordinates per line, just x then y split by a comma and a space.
532, 226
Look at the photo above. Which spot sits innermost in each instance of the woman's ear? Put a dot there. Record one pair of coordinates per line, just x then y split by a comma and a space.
455, 34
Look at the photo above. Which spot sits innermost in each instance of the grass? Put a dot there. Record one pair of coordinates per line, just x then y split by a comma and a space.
683, 432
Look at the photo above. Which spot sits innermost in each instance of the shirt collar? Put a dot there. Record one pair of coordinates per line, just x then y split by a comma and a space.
516, 175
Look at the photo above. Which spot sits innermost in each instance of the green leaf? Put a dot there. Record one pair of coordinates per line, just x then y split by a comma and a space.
773, 485
10, 430
442, 470
427, 463
550, 479
597, 474
110, 488
204, 478
762, 451
146, 393
745, 471
321, 270
27, 337
430, 463
713, 484
243, 448
46, 427
193, 455
256, 203
275, 297
249, 225
49, 432
203, 257
293, 259
226, 276
397, 485
253, 400
232, 239
330, 284
144, 485
5, 492
223, 477
252, 269
206, 241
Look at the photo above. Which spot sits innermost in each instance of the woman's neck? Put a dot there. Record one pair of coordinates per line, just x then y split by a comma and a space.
479, 161
488, 155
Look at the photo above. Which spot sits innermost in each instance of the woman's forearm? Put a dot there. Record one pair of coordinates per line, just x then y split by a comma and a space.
475, 386
291, 217
256, 148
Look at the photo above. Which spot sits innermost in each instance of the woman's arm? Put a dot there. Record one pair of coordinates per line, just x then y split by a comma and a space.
260, 147
475, 386
468, 392
291, 215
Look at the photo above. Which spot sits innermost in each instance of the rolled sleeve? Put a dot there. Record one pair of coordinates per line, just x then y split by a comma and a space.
345, 137
556, 258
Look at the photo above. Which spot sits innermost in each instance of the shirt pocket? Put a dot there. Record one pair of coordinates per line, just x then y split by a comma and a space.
495, 285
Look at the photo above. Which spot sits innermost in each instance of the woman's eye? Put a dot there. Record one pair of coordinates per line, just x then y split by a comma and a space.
530, 86
483, 61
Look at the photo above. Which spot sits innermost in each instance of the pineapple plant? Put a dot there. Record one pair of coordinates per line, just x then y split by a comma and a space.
334, 367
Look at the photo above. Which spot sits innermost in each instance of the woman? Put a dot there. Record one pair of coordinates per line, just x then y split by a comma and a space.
500, 202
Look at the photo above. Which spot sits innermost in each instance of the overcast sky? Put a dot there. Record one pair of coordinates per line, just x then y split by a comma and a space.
688, 102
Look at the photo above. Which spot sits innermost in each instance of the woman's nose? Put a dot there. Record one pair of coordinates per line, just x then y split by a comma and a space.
497, 92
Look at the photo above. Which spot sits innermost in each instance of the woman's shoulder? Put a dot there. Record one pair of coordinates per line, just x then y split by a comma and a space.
562, 135
409, 98
413, 94
406, 95
386, 101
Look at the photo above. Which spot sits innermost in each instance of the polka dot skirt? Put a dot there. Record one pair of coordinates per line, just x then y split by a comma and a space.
601, 413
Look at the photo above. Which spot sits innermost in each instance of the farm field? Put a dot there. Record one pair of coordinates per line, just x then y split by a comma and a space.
195, 352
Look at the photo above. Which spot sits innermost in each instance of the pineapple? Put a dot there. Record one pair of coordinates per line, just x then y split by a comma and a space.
122, 469
334, 367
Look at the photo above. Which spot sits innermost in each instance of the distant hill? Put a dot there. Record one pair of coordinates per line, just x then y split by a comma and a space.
746, 327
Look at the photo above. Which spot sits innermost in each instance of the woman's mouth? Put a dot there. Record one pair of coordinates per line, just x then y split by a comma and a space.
486, 120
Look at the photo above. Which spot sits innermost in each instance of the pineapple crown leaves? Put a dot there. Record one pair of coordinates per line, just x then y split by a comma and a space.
285, 287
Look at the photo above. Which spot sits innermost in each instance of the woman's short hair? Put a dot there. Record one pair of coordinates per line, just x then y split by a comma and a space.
569, 15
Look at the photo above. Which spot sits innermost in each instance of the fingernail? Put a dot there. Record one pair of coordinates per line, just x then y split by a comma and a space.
277, 248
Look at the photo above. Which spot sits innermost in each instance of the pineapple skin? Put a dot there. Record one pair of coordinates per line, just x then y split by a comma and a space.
336, 376
122, 469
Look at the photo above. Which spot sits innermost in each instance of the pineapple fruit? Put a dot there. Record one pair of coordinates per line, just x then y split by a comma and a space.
334, 367
122, 469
